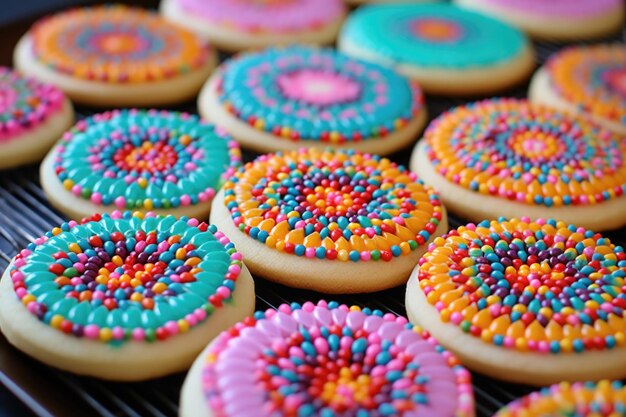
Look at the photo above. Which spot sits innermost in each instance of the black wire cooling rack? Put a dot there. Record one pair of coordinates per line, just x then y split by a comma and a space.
25, 214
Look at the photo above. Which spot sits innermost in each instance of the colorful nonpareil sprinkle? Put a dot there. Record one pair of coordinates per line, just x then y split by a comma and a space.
593, 78
527, 153
581, 399
25, 103
144, 159
266, 16
541, 286
317, 94
116, 44
432, 35
330, 204
331, 360
126, 276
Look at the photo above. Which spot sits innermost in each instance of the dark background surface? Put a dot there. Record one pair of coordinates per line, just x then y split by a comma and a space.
24, 214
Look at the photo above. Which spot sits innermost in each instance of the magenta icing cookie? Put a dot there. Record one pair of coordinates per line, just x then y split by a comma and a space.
236, 25
33, 116
115, 56
148, 160
581, 399
586, 80
124, 296
331, 221
326, 359
556, 19
527, 301
295, 97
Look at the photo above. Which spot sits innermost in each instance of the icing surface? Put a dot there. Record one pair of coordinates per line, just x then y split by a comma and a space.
433, 35
25, 103
144, 159
580, 399
124, 276
331, 360
560, 8
527, 153
116, 44
542, 285
339, 205
267, 15
317, 94
593, 78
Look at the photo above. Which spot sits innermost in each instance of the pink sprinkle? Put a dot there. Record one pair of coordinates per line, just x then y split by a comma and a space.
366, 256
223, 292
309, 252
185, 200
200, 314
118, 333
138, 334
171, 327
235, 269
91, 331
120, 202
96, 198
236, 256
21, 292
17, 276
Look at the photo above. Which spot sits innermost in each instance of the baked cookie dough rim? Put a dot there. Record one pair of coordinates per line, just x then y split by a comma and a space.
470, 81
322, 275
230, 39
192, 399
102, 94
133, 360
77, 207
552, 27
33, 144
541, 91
508, 364
477, 207
211, 109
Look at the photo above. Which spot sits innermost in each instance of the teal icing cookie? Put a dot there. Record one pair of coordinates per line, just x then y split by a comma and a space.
138, 160
431, 37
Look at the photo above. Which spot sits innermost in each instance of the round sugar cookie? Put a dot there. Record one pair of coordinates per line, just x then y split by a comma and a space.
560, 20
331, 221
507, 157
581, 399
124, 297
115, 56
534, 302
586, 80
33, 116
166, 162
326, 359
235, 25
286, 99
448, 50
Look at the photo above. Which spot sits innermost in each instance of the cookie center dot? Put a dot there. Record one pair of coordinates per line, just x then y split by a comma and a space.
318, 87
437, 30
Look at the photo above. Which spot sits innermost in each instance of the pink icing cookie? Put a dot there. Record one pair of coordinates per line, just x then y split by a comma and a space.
33, 116
326, 360
556, 19
241, 24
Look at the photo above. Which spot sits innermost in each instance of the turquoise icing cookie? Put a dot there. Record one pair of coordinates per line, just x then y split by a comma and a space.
135, 159
432, 35
317, 94
123, 277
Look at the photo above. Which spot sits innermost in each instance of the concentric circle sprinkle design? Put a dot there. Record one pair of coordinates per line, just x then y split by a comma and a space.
144, 159
317, 94
333, 205
527, 153
541, 286
124, 276
331, 360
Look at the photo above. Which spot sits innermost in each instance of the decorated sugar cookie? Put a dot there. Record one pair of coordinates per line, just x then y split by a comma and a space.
166, 162
33, 116
448, 50
331, 221
236, 25
326, 359
507, 157
588, 81
581, 399
115, 56
122, 296
556, 20
535, 302
286, 99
